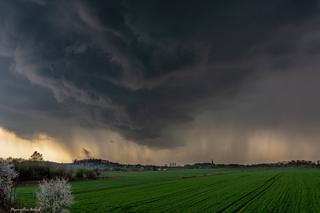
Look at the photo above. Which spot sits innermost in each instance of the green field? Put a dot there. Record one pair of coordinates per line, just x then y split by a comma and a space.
213, 190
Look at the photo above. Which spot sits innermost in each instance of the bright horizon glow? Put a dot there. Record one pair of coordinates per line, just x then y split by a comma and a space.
263, 147
16, 147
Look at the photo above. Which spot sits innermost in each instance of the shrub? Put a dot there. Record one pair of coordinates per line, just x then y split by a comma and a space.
87, 174
79, 174
54, 196
92, 174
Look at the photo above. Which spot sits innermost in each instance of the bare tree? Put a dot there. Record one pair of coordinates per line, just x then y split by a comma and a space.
36, 156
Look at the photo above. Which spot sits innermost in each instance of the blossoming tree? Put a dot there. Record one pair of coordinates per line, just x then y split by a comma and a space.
54, 196
7, 174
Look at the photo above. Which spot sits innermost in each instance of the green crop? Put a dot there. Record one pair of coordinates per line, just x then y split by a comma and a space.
195, 190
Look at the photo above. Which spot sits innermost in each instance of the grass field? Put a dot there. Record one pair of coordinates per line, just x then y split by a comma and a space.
213, 190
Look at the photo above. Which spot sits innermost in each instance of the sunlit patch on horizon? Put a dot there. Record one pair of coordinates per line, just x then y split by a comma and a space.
17, 147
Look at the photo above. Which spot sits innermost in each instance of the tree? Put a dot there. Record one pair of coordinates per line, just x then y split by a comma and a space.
36, 156
212, 164
54, 196
7, 174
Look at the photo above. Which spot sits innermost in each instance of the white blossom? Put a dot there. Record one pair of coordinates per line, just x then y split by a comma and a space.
54, 196
7, 174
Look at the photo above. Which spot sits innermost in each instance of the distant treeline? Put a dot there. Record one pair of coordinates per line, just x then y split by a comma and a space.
33, 170
283, 164
38, 170
112, 166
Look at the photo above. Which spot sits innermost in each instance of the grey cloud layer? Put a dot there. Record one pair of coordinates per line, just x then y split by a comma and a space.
146, 69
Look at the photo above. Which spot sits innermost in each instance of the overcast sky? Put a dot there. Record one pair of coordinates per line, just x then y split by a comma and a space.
153, 81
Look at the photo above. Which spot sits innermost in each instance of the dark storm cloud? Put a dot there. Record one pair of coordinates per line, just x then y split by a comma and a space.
142, 68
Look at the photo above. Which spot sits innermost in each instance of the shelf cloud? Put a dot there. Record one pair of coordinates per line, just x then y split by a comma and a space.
233, 81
